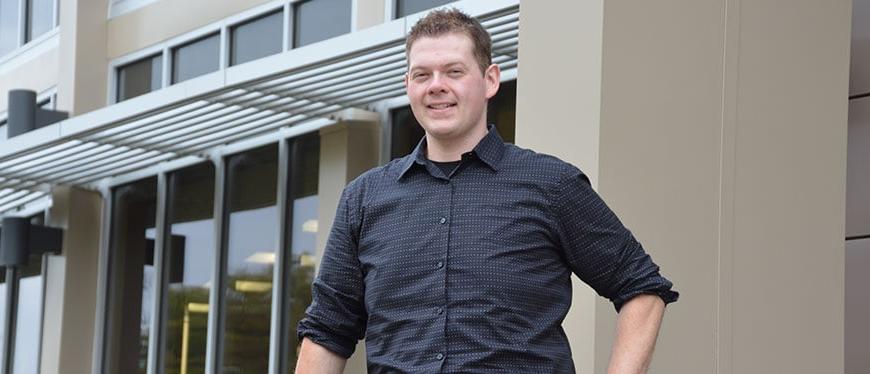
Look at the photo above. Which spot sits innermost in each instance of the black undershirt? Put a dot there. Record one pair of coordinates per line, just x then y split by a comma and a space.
447, 167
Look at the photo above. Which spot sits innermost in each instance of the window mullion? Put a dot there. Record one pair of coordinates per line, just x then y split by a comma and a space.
278, 346
157, 306
22, 22
215, 301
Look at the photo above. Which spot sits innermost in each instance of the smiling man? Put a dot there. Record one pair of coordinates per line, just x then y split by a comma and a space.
458, 257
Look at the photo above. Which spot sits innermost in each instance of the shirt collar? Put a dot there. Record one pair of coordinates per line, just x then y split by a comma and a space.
490, 150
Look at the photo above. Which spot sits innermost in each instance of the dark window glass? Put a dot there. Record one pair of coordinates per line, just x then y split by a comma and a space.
301, 230
140, 77
406, 7
501, 111
317, 20
28, 321
196, 58
257, 38
9, 26
40, 17
252, 233
188, 260
131, 280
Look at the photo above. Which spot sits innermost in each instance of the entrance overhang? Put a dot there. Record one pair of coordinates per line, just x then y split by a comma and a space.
308, 87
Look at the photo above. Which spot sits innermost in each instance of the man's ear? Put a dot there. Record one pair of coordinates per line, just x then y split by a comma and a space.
492, 76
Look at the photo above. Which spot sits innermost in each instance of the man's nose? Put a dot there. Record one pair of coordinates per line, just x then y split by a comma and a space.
436, 84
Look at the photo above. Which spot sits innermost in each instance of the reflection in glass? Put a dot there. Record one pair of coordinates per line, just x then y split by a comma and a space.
252, 223
406, 7
40, 17
140, 77
260, 37
317, 20
196, 58
2, 311
302, 230
188, 260
501, 111
28, 322
9, 26
131, 277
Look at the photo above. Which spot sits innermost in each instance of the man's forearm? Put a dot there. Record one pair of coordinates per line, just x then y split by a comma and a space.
315, 359
636, 332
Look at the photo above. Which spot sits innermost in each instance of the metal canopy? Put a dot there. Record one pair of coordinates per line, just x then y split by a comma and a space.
195, 118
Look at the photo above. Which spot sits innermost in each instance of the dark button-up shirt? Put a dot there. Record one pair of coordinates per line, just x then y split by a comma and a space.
470, 272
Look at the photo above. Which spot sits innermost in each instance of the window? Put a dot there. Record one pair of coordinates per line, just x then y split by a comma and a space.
406, 7
501, 111
140, 77
258, 38
251, 245
317, 20
39, 18
9, 26
131, 277
196, 58
302, 228
189, 260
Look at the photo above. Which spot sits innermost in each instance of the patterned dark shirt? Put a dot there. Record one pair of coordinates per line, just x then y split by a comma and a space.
470, 272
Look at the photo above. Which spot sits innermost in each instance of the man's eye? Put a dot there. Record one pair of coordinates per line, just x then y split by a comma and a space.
420, 75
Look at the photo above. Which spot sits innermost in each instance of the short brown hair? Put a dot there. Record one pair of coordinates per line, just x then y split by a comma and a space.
446, 21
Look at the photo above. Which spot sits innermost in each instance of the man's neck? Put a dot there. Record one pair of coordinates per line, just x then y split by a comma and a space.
445, 150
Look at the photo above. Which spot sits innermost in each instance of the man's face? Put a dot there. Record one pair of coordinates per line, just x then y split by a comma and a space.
447, 90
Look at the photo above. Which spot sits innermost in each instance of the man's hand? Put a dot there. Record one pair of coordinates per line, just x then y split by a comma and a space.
314, 359
636, 332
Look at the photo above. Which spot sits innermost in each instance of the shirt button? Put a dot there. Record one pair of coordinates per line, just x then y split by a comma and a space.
439, 356
442, 220
439, 311
440, 264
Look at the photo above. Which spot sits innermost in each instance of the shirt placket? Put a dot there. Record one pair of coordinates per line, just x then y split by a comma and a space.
439, 311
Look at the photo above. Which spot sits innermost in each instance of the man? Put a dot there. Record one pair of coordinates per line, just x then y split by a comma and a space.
458, 257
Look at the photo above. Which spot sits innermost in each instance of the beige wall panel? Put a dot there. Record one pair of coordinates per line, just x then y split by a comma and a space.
860, 66
661, 123
369, 13
857, 312
858, 170
37, 74
790, 186
558, 103
165, 19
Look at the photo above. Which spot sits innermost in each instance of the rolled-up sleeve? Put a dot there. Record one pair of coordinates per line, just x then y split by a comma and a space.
336, 318
599, 249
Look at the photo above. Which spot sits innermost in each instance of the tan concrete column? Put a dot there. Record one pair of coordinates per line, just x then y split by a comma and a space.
83, 65
71, 283
558, 112
347, 150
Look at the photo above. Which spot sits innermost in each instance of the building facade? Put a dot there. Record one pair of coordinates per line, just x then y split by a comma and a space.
207, 143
